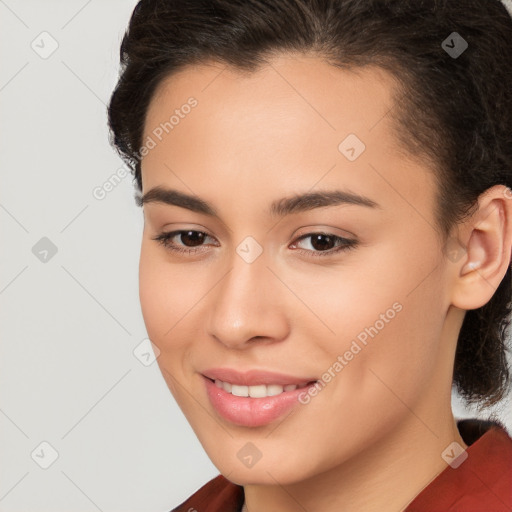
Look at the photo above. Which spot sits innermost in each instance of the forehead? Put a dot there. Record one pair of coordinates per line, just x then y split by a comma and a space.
284, 124
304, 87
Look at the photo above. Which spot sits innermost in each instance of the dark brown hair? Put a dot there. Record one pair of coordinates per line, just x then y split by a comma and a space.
452, 111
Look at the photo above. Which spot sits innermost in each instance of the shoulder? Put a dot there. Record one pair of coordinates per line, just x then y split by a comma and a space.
478, 479
217, 495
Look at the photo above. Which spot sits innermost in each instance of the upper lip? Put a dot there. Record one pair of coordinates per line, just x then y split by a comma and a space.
254, 377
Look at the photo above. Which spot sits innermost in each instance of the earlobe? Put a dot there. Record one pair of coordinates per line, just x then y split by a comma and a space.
488, 243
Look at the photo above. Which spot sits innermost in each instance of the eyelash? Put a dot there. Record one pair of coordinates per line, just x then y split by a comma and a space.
347, 243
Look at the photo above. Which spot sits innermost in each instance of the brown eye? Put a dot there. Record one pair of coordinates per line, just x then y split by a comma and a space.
189, 238
324, 244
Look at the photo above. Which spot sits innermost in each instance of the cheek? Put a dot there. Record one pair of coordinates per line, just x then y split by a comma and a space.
151, 296
162, 305
388, 320
164, 294
169, 299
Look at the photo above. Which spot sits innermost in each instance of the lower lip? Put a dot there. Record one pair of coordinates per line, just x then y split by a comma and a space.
251, 412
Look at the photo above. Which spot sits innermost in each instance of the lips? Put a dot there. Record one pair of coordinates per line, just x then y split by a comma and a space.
251, 411
256, 377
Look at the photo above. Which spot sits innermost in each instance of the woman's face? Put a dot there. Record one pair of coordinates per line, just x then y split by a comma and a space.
368, 322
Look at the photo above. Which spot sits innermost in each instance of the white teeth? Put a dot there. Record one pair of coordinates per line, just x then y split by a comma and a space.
259, 391
274, 389
239, 390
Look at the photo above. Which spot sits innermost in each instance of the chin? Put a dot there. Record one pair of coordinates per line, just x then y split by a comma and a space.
264, 475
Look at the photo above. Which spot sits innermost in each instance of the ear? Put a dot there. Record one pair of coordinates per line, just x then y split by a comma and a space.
481, 253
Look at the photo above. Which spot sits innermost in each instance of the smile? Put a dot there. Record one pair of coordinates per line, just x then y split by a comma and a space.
260, 391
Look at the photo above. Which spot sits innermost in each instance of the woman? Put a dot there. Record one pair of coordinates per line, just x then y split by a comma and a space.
327, 243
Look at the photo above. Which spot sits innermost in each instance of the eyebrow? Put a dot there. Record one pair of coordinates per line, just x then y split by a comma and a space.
279, 208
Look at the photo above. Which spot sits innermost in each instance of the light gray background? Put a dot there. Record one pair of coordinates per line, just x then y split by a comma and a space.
70, 325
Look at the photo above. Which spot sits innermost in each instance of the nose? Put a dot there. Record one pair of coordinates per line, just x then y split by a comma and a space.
249, 304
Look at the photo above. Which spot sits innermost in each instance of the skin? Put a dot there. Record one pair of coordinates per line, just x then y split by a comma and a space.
373, 437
